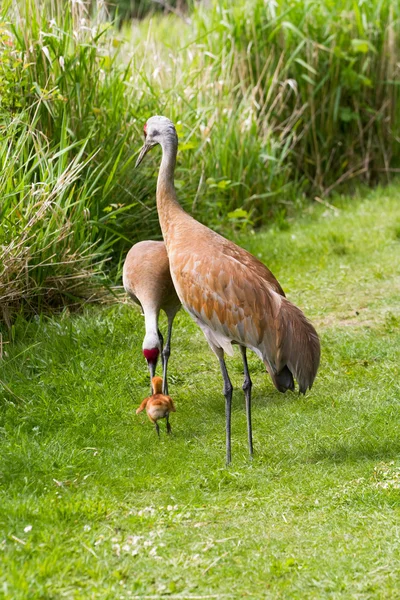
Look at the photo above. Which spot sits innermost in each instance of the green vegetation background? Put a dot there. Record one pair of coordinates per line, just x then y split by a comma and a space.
279, 106
276, 103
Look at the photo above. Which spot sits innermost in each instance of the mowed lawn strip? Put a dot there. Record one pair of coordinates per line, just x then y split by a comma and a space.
93, 505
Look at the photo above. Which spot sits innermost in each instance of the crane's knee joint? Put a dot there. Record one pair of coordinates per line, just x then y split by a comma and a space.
166, 352
228, 389
247, 385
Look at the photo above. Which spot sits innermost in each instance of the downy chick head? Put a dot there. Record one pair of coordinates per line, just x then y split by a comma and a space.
156, 384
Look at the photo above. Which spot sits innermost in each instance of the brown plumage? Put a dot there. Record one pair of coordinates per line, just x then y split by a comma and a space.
233, 297
147, 280
158, 406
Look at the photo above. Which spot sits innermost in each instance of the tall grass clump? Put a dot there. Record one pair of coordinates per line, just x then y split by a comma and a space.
48, 248
64, 126
274, 102
280, 100
322, 80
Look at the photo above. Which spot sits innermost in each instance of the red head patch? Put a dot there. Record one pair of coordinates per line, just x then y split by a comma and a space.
151, 355
145, 129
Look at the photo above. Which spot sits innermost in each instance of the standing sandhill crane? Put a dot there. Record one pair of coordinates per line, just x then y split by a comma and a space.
158, 406
232, 296
147, 280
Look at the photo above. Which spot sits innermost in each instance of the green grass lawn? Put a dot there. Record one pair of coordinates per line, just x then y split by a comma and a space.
93, 505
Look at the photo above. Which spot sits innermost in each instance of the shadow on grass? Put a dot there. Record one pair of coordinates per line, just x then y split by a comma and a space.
381, 450
271, 397
262, 397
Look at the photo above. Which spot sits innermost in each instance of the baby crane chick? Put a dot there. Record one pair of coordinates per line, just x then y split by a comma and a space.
158, 406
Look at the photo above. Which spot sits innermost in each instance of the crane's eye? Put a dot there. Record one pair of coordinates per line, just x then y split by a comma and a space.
145, 130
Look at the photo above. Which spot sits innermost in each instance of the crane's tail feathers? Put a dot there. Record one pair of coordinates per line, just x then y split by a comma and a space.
300, 347
283, 381
297, 351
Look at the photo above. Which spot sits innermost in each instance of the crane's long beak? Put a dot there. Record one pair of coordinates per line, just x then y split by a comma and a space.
142, 154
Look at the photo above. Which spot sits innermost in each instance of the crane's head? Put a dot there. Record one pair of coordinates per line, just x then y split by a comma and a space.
151, 349
158, 130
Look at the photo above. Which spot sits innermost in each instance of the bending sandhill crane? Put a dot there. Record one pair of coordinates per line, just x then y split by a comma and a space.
158, 406
232, 296
147, 280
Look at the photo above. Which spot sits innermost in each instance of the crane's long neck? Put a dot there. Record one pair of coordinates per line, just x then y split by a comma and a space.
168, 206
151, 343
151, 326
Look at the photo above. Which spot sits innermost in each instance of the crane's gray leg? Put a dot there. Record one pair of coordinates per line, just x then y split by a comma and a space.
228, 389
166, 354
247, 385
152, 370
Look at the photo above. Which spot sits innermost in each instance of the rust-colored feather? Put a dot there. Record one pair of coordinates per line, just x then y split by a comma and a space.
236, 299
147, 278
142, 406
232, 296
158, 406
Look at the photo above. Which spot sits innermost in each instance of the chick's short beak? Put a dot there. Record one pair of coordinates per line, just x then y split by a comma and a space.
142, 154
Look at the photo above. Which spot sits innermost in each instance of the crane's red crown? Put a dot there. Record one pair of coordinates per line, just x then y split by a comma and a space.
151, 355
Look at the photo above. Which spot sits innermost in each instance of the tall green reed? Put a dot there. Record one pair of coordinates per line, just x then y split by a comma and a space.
274, 103
63, 138
280, 100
